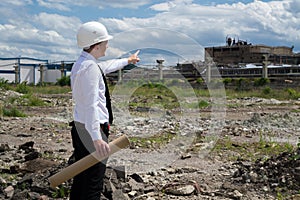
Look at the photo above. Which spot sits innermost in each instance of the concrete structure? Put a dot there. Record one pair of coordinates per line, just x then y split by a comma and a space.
236, 53
31, 70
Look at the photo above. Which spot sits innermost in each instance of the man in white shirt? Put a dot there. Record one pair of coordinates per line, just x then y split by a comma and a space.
92, 110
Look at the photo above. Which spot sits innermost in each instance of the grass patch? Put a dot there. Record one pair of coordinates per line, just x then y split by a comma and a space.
61, 192
4, 84
52, 89
33, 100
265, 92
203, 104
152, 94
13, 112
27, 100
156, 141
262, 149
39, 89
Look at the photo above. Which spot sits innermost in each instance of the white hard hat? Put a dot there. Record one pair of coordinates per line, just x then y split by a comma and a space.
91, 33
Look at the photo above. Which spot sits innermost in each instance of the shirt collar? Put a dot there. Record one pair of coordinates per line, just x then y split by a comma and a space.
87, 56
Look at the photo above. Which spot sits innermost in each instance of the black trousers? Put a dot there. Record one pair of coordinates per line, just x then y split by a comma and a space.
87, 185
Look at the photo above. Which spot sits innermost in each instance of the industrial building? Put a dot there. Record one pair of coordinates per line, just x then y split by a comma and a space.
237, 53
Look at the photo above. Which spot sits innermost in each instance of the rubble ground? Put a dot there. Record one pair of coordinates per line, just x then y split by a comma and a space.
255, 155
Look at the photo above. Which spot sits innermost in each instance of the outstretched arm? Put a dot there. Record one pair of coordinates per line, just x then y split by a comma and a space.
116, 64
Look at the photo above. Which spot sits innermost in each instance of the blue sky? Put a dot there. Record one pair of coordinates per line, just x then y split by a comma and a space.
46, 29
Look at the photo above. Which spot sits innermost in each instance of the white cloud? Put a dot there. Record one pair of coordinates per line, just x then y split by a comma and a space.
257, 22
60, 5
49, 41
167, 6
163, 6
16, 3
52, 36
123, 4
294, 7
132, 4
66, 26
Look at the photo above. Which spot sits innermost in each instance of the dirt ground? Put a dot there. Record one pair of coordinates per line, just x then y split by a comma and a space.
212, 171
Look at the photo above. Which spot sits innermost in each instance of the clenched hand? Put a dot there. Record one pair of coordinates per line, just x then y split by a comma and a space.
102, 148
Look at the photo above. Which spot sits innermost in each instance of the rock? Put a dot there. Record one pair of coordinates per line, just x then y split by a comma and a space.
295, 197
186, 156
38, 164
150, 198
135, 185
171, 170
237, 194
4, 148
149, 189
137, 178
44, 197
26, 145
118, 194
132, 194
18, 194
297, 174
120, 172
32, 155
180, 190
2, 181
9, 191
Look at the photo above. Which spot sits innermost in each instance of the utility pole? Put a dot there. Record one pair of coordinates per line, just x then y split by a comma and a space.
42, 73
17, 73
160, 66
209, 63
119, 75
62, 69
266, 62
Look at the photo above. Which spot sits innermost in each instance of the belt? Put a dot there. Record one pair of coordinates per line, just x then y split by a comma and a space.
105, 126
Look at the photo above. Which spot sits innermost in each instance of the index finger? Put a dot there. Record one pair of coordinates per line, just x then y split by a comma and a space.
137, 52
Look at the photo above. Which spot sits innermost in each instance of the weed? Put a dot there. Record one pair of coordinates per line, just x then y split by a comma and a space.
203, 104
4, 84
64, 81
23, 88
61, 192
33, 100
261, 82
51, 89
267, 90
200, 80
155, 140
13, 112
293, 93
226, 81
263, 149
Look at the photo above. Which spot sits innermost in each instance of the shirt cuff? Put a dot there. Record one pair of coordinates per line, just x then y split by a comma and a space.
124, 61
96, 136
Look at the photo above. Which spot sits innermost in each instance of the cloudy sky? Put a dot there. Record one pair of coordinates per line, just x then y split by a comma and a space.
46, 29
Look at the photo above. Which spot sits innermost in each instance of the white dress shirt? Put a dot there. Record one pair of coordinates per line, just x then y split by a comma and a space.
88, 91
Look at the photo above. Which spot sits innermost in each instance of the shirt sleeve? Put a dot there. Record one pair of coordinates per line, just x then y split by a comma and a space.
113, 65
90, 95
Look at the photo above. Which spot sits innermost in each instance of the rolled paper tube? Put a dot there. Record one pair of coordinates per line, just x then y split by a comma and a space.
86, 162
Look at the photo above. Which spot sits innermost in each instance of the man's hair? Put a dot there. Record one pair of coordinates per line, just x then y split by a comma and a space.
90, 48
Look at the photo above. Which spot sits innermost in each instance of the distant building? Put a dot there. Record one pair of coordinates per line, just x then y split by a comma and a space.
236, 53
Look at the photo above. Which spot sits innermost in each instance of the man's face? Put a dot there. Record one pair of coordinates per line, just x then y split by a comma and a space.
102, 48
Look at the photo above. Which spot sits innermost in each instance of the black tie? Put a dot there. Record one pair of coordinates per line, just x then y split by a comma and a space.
107, 97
